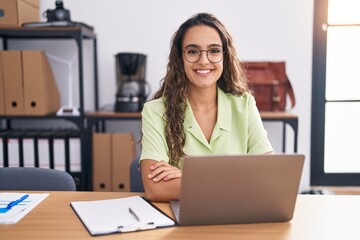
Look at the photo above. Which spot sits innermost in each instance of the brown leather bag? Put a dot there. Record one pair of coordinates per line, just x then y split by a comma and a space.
269, 85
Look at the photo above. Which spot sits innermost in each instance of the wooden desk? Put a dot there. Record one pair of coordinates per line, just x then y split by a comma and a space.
316, 217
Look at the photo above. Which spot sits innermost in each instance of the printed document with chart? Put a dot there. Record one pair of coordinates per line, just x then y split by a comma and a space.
14, 205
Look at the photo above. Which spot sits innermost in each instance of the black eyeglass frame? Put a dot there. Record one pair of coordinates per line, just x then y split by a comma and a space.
207, 55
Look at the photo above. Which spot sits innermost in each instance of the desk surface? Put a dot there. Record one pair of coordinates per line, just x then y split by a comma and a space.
316, 217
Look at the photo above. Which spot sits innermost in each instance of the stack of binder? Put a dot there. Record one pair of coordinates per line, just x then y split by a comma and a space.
59, 149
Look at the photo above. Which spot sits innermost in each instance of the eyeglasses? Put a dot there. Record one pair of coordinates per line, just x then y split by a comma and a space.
214, 54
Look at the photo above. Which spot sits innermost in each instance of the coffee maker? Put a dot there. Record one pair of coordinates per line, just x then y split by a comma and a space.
132, 88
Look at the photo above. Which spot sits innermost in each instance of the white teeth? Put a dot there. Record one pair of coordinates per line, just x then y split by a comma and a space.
203, 71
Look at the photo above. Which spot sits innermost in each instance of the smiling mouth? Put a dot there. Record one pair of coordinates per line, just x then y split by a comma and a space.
203, 71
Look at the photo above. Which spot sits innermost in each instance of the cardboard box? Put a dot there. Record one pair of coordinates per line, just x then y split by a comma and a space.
101, 151
13, 84
17, 12
41, 95
123, 152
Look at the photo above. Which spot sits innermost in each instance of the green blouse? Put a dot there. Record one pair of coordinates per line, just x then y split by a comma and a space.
238, 130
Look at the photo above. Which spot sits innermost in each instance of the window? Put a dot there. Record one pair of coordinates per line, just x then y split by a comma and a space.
335, 123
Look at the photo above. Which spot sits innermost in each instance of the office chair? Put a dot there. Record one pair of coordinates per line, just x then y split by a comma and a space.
136, 184
36, 179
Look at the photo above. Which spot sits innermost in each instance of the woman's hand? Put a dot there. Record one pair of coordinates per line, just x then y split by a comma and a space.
156, 180
163, 171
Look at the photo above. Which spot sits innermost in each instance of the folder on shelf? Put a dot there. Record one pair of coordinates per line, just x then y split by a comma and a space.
43, 150
28, 144
13, 144
120, 215
13, 84
41, 94
67, 150
74, 152
123, 153
2, 90
59, 150
102, 177
3, 153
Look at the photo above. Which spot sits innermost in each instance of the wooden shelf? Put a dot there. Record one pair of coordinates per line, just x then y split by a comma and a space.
112, 114
277, 115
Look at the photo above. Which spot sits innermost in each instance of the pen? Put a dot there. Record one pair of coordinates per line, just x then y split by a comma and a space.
16, 202
134, 214
136, 226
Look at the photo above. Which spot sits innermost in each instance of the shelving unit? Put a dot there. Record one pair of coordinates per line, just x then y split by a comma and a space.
88, 122
78, 34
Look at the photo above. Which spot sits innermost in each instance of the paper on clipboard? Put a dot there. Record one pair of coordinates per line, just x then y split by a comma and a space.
113, 215
18, 211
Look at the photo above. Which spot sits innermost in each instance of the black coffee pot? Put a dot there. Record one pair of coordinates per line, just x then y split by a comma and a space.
132, 88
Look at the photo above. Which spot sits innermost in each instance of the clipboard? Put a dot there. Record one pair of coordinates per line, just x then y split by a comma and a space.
120, 215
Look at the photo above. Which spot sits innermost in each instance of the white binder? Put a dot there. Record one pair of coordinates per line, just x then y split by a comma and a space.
44, 151
29, 151
13, 152
59, 153
75, 154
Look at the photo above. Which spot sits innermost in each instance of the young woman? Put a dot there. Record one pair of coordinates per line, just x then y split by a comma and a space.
203, 107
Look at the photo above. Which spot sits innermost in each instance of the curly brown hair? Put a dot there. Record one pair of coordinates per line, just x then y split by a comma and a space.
175, 83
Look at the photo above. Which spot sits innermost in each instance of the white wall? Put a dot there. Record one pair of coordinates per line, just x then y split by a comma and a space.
262, 30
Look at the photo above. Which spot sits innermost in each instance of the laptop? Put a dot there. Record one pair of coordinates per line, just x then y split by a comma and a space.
238, 189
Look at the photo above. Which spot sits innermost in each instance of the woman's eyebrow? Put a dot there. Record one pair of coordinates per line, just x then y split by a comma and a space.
197, 46
192, 46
